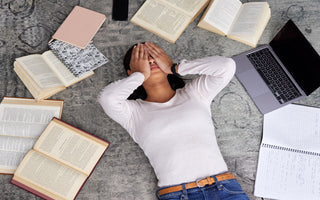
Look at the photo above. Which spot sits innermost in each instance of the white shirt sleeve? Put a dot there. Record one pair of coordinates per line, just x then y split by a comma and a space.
215, 73
113, 98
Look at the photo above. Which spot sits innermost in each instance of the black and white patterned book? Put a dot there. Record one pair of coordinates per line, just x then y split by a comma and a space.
78, 61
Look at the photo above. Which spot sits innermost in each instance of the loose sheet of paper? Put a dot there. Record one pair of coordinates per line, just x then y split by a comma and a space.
289, 156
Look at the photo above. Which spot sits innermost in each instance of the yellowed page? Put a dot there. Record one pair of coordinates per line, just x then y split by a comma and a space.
190, 7
33, 87
49, 175
159, 18
66, 145
221, 14
39, 70
63, 73
247, 23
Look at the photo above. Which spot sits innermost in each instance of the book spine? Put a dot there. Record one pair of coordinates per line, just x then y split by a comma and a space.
271, 146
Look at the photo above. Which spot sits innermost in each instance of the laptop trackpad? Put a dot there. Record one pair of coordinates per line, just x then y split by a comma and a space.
253, 83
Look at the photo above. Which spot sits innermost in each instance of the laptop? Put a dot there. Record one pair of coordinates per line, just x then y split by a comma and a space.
285, 70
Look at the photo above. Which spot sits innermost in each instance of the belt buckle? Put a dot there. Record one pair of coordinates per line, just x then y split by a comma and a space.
197, 182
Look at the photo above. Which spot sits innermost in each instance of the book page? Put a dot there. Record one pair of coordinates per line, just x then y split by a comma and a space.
285, 174
293, 126
39, 70
162, 20
222, 13
247, 22
289, 157
12, 151
49, 175
59, 68
66, 145
26, 120
63, 73
190, 7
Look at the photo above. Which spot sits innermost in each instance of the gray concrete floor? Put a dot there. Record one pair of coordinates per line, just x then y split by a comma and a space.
124, 172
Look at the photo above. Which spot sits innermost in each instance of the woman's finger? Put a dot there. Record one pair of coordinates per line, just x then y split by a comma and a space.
135, 52
141, 51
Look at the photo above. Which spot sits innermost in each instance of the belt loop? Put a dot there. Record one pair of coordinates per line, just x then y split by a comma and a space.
184, 192
218, 184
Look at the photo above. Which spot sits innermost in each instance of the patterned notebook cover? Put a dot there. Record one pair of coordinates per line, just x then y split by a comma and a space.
78, 61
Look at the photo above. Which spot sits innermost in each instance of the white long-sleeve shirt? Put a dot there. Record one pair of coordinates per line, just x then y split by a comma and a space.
177, 136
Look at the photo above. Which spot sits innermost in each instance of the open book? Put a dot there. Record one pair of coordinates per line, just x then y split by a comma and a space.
166, 18
242, 22
22, 121
60, 162
45, 75
289, 157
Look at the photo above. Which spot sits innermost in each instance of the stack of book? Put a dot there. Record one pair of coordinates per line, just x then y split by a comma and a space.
71, 59
48, 157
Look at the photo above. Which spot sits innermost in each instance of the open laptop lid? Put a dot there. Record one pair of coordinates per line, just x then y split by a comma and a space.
298, 56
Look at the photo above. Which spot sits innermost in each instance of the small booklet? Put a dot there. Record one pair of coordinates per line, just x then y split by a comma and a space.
22, 121
79, 27
44, 74
78, 61
166, 18
60, 162
241, 22
289, 157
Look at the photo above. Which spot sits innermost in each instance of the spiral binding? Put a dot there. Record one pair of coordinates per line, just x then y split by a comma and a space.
290, 149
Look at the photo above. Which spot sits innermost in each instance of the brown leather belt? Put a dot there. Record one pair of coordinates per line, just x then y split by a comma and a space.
200, 183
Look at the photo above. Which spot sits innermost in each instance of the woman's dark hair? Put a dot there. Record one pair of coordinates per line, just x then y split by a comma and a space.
140, 93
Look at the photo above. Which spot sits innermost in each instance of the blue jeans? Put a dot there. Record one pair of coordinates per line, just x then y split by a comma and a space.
221, 190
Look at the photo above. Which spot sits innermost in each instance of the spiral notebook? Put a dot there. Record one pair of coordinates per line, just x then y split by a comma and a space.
78, 61
289, 157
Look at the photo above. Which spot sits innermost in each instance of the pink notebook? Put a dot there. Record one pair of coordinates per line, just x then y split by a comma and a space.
79, 27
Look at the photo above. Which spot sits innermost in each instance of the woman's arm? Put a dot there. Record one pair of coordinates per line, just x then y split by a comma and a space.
113, 98
216, 72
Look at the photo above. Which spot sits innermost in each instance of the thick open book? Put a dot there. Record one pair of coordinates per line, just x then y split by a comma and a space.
22, 121
60, 162
44, 74
242, 22
166, 18
289, 157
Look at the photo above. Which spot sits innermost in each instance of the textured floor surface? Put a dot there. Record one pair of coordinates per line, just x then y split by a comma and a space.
124, 172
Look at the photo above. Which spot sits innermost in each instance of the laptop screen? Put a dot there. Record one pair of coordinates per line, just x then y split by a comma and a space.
298, 56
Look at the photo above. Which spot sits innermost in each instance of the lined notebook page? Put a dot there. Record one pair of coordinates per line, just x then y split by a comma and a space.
289, 156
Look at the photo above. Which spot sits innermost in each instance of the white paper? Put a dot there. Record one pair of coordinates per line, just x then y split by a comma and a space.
289, 156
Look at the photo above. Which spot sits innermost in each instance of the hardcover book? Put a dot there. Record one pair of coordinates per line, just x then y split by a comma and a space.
22, 121
60, 162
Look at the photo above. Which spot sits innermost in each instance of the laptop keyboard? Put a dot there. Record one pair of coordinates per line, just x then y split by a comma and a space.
274, 76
